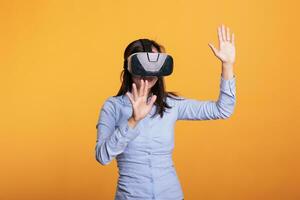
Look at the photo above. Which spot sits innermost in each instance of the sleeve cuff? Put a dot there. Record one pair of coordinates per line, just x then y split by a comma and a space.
228, 86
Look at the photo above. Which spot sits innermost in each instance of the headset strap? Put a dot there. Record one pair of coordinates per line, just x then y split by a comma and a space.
146, 45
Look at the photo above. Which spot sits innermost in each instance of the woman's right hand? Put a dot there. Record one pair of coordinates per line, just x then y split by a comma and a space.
138, 100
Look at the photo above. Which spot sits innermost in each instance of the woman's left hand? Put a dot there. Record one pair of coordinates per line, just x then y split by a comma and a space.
226, 51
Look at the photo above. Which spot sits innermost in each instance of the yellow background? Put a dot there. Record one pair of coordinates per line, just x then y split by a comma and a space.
60, 60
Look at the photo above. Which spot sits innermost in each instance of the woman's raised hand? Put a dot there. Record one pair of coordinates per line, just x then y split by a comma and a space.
226, 53
139, 100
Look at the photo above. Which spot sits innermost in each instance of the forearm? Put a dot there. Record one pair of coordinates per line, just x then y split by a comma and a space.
227, 71
111, 143
193, 109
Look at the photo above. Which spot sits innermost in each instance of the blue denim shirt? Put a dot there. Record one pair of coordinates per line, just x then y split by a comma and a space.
144, 153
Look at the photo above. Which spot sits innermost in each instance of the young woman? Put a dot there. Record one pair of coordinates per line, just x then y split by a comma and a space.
136, 126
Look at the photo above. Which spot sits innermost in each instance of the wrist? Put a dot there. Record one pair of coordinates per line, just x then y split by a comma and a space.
227, 65
227, 72
132, 122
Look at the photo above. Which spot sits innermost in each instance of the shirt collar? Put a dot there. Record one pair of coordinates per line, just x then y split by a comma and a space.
126, 100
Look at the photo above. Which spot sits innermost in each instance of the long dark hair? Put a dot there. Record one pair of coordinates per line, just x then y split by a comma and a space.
159, 88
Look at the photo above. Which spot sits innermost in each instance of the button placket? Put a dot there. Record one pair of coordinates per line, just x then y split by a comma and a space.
149, 149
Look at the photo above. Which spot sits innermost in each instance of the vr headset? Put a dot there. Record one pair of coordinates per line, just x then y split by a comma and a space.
148, 63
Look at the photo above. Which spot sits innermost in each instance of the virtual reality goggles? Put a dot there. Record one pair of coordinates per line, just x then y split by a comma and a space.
150, 64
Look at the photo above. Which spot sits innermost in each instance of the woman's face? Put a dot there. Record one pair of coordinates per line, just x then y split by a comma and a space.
151, 79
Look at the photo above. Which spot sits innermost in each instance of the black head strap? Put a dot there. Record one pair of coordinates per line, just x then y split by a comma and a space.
147, 46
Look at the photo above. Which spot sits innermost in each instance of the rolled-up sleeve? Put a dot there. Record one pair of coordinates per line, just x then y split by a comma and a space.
192, 109
111, 139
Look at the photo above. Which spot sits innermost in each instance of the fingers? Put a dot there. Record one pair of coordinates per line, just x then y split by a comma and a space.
153, 98
141, 89
135, 93
220, 35
223, 33
145, 88
228, 34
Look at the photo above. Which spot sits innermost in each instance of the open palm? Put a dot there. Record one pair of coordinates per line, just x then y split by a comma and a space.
139, 100
226, 51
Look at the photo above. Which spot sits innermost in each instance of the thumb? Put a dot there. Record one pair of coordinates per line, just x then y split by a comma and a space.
215, 51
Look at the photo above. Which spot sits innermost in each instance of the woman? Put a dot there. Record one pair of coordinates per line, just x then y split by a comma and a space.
136, 126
